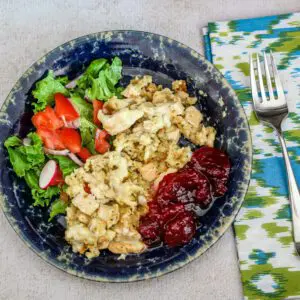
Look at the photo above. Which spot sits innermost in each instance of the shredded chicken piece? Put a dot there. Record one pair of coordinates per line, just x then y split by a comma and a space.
120, 121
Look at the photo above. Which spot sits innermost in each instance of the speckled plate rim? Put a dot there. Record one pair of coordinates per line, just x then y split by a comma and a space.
227, 220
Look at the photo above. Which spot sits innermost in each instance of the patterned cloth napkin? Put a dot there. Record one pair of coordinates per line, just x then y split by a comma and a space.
269, 265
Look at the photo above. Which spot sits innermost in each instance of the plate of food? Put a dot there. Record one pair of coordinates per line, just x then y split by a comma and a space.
124, 155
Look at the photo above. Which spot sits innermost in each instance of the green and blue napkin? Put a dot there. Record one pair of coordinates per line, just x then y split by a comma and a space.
269, 264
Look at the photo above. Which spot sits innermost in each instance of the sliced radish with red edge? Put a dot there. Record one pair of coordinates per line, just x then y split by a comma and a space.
51, 175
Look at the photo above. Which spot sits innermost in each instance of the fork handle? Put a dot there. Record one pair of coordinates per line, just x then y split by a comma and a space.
294, 194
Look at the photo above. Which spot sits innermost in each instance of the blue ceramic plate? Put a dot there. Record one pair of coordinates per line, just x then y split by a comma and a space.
141, 53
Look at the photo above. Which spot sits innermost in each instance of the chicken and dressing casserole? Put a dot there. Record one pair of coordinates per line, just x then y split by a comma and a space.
109, 194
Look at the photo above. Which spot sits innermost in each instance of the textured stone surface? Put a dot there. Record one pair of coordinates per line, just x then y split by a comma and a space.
30, 29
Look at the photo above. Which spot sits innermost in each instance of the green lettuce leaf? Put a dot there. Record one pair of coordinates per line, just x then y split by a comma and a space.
114, 73
45, 90
88, 132
86, 79
32, 179
63, 80
44, 197
18, 161
100, 79
57, 207
24, 158
84, 108
95, 66
27, 162
13, 141
41, 197
96, 90
82, 84
118, 92
103, 87
34, 152
66, 165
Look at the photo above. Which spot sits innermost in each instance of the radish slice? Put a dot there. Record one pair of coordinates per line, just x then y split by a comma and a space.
26, 141
51, 175
76, 159
56, 152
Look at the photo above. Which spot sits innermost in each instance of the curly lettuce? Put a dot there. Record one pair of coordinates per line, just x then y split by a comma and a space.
41, 197
45, 90
88, 132
58, 207
24, 158
84, 108
28, 161
100, 79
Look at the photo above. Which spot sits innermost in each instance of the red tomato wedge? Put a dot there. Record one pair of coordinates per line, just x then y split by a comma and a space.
71, 139
47, 119
102, 134
86, 188
97, 105
51, 138
84, 154
64, 108
101, 144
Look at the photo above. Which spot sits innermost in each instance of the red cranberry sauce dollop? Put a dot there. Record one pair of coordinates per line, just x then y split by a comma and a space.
169, 218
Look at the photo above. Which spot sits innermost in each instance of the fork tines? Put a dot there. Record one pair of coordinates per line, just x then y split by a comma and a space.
258, 87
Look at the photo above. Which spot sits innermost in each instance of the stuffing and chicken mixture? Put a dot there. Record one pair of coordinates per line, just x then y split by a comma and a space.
110, 192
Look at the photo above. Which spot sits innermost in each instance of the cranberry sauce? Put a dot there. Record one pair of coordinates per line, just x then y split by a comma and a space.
170, 218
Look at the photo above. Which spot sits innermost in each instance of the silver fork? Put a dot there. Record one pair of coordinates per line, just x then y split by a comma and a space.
272, 111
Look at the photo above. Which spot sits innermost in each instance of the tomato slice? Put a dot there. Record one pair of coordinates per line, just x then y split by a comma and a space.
47, 119
101, 144
102, 134
84, 154
51, 138
86, 188
71, 139
64, 108
97, 105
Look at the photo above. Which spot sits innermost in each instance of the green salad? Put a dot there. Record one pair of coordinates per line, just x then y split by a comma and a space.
67, 130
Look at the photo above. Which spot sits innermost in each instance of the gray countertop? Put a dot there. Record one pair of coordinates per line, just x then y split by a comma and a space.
31, 28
